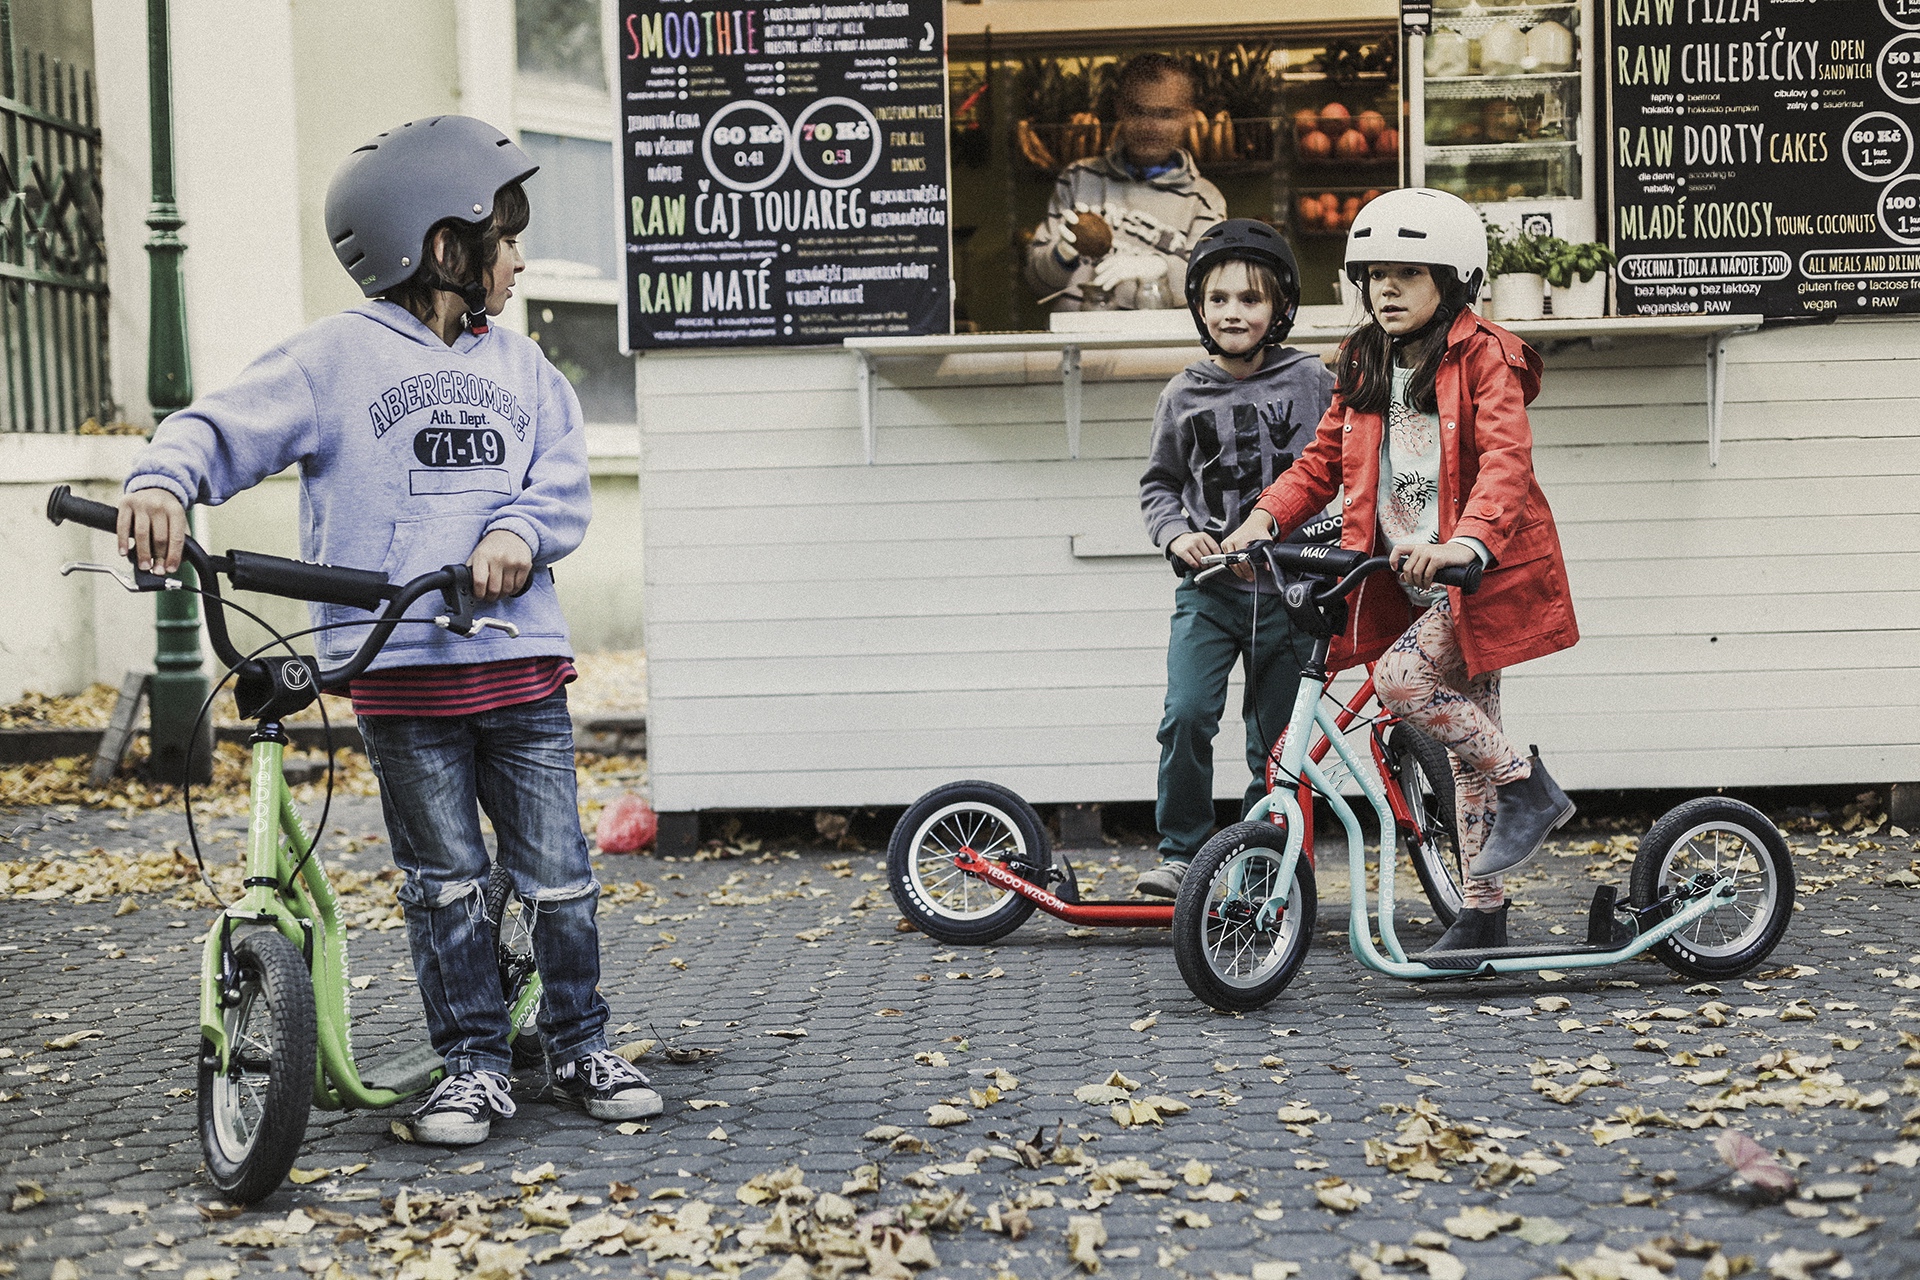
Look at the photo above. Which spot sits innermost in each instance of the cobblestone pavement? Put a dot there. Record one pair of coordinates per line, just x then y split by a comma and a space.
740, 956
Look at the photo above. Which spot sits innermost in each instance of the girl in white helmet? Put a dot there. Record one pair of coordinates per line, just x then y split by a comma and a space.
1428, 434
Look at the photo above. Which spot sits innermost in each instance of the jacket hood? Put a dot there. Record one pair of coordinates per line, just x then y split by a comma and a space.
392, 315
1282, 364
1525, 361
1181, 176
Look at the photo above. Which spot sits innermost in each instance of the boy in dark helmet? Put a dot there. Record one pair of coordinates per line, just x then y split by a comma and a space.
426, 219
1225, 427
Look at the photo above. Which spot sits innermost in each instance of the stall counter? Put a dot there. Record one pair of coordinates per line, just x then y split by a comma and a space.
828, 628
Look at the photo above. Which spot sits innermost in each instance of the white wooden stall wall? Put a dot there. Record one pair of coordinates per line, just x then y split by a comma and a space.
824, 632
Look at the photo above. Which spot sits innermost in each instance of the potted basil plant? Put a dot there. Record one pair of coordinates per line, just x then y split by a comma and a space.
1577, 276
1517, 264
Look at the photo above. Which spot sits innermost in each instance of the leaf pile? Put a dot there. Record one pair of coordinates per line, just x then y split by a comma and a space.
1426, 1144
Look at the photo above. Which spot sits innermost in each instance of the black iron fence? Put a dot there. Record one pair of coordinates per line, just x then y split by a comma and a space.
53, 261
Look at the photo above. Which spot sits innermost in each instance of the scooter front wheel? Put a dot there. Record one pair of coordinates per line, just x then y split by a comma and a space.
253, 1115
944, 902
1695, 846
512, 919
1234, 953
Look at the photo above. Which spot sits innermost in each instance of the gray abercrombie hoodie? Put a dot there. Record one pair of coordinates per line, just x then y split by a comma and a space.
1218, 441
410, 451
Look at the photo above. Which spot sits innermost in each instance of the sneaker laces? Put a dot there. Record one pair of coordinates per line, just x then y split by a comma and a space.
608, 1071
471, 1091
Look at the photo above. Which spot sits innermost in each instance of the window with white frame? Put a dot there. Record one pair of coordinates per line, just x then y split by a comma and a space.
565, 115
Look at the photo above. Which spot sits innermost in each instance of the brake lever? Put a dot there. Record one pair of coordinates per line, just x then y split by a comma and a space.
141, 581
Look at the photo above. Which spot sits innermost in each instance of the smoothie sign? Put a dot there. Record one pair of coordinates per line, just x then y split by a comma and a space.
1764, 155
783, 172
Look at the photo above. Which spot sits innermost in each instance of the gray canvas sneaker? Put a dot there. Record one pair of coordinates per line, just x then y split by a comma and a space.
1163, 881
607, 1087
460, 1110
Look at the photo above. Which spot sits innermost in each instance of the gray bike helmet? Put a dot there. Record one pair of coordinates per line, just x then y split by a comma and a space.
388, 194
1246, 240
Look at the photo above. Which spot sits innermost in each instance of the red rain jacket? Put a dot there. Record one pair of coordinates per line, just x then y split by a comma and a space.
1487, 491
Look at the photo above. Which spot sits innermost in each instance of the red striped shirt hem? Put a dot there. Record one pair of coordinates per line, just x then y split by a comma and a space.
463, 689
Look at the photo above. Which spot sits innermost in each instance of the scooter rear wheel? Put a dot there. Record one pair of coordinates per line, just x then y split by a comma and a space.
944, 902
253, 1115
1685, 852
1425, 773
1228, 956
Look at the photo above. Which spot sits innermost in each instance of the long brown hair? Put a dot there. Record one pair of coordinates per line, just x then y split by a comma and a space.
1364, 377
472, 248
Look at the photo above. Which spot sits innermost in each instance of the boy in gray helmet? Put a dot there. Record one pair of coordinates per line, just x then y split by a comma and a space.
425, 436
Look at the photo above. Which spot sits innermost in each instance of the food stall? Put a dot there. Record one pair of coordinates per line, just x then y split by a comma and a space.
934, 565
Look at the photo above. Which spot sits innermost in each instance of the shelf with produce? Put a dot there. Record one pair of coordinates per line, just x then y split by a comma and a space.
1221, 145
1329, 211
1450, 12
1049, 147
1532, 83
1531, 149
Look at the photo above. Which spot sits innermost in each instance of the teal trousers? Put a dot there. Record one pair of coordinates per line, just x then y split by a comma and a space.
1213, 628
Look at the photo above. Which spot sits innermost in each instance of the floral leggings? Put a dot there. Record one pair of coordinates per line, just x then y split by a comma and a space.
1423, 679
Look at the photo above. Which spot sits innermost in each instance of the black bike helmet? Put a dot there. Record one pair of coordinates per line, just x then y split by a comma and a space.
389, 193
1246, 240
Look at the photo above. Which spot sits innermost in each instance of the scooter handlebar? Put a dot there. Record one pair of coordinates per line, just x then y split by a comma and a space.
62, 506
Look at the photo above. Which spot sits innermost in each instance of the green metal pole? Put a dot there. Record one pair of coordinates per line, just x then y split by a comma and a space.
179, 685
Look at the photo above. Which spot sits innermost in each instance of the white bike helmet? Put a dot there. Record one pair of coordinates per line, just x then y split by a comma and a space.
1419, 224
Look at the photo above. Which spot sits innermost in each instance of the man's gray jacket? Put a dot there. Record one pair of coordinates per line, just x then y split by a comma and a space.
1161, 215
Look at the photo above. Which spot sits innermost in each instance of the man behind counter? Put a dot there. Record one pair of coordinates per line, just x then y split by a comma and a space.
1120, 226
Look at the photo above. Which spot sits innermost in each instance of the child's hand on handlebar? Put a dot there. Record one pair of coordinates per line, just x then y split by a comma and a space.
153, 524
1189, 547
500, 564
1257, 527
1417, 565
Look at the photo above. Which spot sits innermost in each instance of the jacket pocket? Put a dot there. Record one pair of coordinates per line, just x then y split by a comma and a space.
1529, 543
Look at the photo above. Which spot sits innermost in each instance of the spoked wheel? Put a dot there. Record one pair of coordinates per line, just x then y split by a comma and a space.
1425, 773
254, 1114
1694, 847
944, 902
512, 919
1233, 953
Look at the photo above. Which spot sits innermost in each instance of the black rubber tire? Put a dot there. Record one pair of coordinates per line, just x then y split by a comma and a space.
948, 817
250, 1134
513, 953
1761, 923
1191, 920
1425, 771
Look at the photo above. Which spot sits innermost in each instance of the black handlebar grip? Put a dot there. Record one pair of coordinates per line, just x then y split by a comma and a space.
1464, 576
63, 506
301, 580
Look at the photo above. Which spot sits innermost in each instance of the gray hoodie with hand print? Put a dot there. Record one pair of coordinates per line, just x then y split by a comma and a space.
1219, 441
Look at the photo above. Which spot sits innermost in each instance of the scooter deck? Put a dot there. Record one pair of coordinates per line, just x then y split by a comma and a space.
407, 1072
1473, 959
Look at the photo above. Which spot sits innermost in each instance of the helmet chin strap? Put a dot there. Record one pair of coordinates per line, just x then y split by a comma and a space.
475, 297
1442, 316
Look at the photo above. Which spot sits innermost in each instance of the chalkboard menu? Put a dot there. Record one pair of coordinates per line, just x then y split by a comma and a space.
783, 172
1763, 155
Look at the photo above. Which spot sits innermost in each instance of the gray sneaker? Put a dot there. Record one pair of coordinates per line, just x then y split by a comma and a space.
607, 1087
1163, 881
460, 1110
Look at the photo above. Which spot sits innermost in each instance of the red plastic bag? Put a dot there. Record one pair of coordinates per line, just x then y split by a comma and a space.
628, 825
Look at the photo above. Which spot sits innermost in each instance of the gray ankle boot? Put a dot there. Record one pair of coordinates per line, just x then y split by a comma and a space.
1526, 812
1474, 930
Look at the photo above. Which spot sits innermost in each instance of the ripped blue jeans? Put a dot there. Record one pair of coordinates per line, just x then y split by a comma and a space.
437, 773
